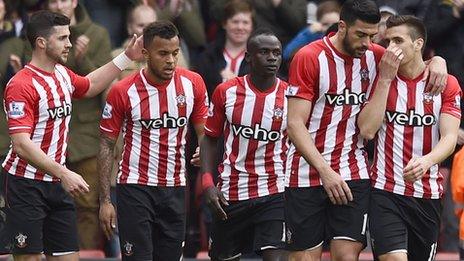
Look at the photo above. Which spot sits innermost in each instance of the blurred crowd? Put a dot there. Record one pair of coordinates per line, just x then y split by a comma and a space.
213, 42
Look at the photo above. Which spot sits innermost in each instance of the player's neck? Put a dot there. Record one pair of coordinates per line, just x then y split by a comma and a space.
262, 83
412, 69
42, 62
152, 78
234, 49
337, 42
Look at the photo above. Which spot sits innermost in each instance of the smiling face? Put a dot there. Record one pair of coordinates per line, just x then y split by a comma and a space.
162, 56
238, 28
357, 37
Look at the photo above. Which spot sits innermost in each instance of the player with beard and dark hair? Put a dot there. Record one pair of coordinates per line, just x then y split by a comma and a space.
327, 181
40, 214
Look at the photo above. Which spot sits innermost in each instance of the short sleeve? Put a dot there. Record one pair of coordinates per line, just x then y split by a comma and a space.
451, 98
113, 112
303, 74
216, 114
81, 84
200, 101
20, 104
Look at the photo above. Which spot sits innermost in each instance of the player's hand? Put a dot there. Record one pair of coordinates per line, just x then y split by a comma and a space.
73, 183
15, 63
416, 168
81, 46
338, 191
215, 200
437, 74
107, 219
195, 161
134, 48
390, 62
460, 137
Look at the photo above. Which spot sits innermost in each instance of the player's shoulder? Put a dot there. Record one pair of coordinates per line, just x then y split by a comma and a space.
191, 75
283, 84
378, 50
238, 81
452, 84
312, 49
125, 83
22, 80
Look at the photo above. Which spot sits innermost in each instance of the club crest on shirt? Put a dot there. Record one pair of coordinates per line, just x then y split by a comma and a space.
16, 109
364, 73
107, 111
128, 251
427, 97
21, 240
181, 100
278, 114
292, 90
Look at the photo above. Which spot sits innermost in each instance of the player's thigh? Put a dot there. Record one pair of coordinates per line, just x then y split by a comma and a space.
269, 223
135, 222
232, 237
170, 221
60, 226
349, 222
25, 211
388, 229
305, 218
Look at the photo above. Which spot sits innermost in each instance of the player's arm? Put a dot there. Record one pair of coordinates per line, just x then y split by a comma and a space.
437, 74
417, 167
208, 155
200, 131
104, 167
371, 116
31, 152
298, 113
102, 77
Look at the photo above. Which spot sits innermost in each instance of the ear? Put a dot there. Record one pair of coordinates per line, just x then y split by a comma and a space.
41, 43
342, 27
418, 44
145, 53
74, 3
247, 57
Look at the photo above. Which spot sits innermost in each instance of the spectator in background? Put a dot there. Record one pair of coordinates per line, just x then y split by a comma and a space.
417, 8
327, 13
91, 49
284, 17
185, 14
224, 58
385, 13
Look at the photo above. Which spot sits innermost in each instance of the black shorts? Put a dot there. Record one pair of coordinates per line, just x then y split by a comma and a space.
404, 224
251, 225
311, 218
40, 217
151, 222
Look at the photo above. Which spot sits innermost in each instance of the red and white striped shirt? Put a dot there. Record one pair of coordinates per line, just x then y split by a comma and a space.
411, 128
39, 103
336, 85
254, 125
154, 119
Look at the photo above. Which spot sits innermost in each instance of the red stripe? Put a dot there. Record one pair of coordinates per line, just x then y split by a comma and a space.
182, 111
391, 103
257, 117
63, 127
426, 148
268, 158
236, 119
128, 139
142, 91
163, 140
327, 113
408, 136
48, 134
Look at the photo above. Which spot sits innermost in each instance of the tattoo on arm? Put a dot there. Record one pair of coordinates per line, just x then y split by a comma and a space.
105, 165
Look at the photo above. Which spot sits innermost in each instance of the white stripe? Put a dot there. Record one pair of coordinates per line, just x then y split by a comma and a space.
344, 238
363, 230
173, 111
134, 154
398, 132
153, 156
105, 129
418, 137
19, 127
432, 252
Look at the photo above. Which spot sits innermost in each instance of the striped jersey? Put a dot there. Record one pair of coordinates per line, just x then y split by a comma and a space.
336, 85
39, 103
411, 128
154, 120
253, 124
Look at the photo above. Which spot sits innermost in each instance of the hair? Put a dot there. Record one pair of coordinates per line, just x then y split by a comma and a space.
234, 7
327, 7
364, 10
258, 32
416, 26
139, 7
162, 29
41, 24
